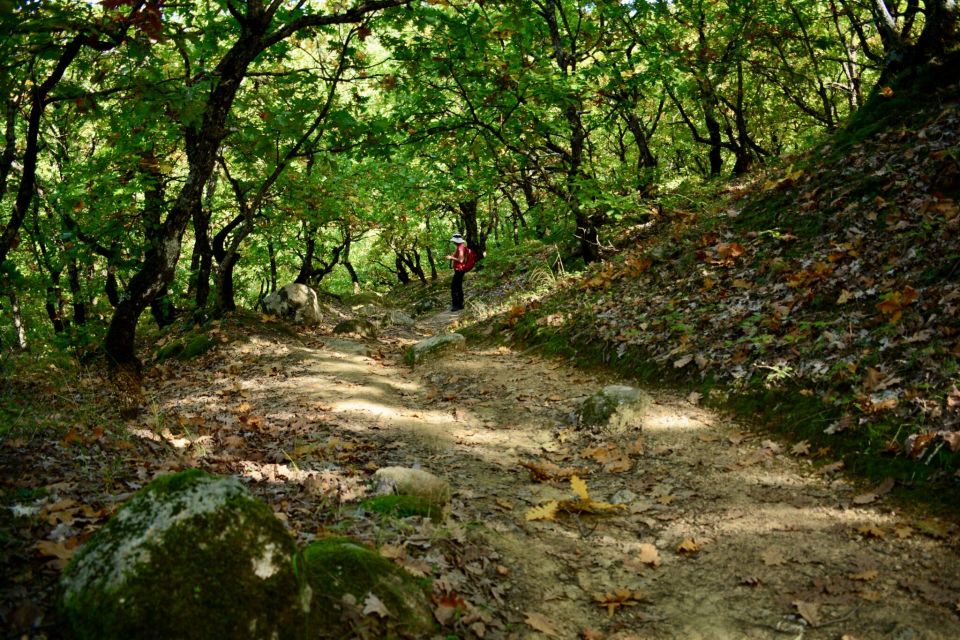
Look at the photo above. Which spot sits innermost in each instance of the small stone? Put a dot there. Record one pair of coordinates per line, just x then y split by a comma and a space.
413, 482
397, 318
357, 326
435, 347
614, 409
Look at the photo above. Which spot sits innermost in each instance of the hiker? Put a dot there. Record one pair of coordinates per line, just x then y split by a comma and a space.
463, 259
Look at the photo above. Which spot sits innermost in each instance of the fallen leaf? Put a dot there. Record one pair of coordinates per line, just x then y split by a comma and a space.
809, 611
802, 448
933, 528
864, 576
373, 604
579, 488
546, 511
688, 547
622, 597
870, 531
750, 581
590, 634
541, 623
649, 554
773, 557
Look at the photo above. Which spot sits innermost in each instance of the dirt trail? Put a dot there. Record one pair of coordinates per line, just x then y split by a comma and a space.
774, 548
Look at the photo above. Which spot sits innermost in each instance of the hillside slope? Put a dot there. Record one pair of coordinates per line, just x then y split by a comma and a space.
824, 297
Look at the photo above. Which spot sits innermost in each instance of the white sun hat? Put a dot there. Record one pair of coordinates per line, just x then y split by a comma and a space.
457, 238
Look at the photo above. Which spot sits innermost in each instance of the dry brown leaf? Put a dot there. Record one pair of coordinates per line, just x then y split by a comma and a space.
809, 611
622, 597
619, 465
749, 581
541, 623
546, 511
688, 547
802, 448
832, 468
636, 448
591, 634
864, 576
773, 557
870, 531
61, 550
649, 554
373, 604
665, 500
865, 498
546, 470
903, 531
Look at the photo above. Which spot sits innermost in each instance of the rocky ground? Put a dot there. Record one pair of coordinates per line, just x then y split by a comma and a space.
716, 532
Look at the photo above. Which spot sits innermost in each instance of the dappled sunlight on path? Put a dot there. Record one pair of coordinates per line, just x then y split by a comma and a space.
717, 532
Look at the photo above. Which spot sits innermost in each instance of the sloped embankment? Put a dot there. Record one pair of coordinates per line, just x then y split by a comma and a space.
826, 296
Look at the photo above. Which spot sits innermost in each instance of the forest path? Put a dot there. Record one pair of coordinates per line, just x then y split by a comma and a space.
724, 534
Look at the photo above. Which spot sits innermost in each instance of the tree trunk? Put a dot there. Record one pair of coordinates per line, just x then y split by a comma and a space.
76, 292
18, 327
272, 250
225, 290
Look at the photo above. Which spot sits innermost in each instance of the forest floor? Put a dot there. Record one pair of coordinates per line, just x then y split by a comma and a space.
724, 533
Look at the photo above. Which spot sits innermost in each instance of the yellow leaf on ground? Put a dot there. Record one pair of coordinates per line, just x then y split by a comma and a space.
546, 511
688, 547
579, 487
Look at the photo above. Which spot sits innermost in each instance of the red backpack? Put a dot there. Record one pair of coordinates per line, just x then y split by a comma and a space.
470, 259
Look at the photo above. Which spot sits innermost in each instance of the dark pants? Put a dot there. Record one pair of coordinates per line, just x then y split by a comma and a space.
456, 290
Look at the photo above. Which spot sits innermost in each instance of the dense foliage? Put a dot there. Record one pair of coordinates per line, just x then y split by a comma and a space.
179, 155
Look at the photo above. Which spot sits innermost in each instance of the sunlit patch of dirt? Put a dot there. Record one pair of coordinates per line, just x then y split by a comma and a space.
722, 533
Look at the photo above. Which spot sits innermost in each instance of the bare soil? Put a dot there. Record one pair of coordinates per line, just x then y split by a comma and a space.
723, 532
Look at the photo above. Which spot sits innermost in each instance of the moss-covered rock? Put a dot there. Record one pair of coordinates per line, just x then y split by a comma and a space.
344, 574
186, 347
614, 409
435, 347
357, 326
189, 556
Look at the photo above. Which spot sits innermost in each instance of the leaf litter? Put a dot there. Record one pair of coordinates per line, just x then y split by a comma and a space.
593, 562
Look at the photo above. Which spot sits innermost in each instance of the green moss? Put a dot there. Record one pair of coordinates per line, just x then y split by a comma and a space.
342, 573
197, 345
170, 350
402, 506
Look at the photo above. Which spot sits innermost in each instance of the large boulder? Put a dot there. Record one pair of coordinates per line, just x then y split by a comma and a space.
435, 347
359, 593
614, 409
190, 556
296, 302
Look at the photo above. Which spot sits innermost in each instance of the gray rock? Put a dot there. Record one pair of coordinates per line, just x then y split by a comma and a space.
397, 318
413, 482
614, 409
435, 347
425, 305
357, 326
189, 556
296, 302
